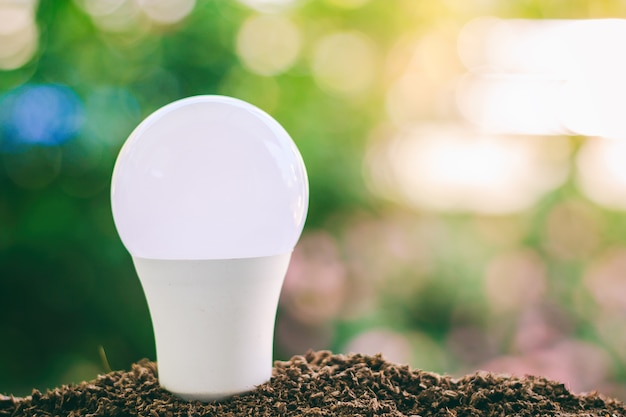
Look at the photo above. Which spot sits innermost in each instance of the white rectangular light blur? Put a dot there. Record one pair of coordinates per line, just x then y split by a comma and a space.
544, 77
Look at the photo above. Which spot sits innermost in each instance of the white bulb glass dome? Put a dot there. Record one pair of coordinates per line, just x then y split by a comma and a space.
209, 177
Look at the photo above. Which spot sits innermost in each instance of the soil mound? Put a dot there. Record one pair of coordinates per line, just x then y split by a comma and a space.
323, 384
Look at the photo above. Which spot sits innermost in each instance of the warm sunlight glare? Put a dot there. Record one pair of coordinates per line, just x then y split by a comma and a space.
451, 168
544, 76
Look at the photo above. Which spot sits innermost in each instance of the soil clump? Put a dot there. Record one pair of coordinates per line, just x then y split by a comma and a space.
323, 384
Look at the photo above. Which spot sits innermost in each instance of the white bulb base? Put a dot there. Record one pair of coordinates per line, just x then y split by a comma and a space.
213, 322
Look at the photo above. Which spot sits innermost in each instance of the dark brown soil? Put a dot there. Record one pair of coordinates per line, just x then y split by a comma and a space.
323, 384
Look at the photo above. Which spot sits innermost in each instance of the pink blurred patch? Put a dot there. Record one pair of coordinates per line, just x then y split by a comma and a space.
581, 366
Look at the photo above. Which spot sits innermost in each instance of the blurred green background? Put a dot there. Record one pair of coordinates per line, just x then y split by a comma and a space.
426, 241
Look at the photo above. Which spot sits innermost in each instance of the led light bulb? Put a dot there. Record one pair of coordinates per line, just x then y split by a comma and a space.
209, 195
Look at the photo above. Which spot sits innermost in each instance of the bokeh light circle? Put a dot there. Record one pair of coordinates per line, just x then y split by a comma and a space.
601, 173
166, 12
269, 6
39, 114
268, 44
19, 34
344, 63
